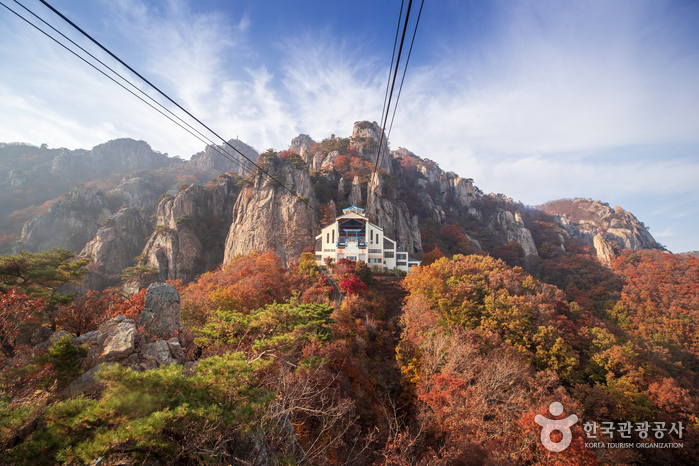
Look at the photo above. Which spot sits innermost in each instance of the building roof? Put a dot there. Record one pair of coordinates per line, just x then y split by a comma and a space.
350, 215
353, 208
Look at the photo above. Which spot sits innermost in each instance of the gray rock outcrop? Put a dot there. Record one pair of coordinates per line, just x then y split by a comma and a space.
586, 219
116, 156
190, 231
300, 145
605, 253
138, 192
161, 311
514, 229
119, 240
69, 223
213, 160
266, 216
393, 215
361, 133
119, 340
355, 196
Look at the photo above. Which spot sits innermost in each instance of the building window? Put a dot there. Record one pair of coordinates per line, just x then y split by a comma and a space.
327, 237
401, 256
372, 236
374, 260
387, 244
400, 264
319, 257
388, 255
333, 236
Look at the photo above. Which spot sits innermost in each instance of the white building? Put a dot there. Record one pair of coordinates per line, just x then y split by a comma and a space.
354, 237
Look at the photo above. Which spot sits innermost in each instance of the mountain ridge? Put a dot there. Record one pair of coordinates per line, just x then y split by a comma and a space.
416, 202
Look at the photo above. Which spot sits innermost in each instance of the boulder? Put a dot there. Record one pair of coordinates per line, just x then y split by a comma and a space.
120, 344
85, 383
89, 338
114, 340
176, 349
161, 316
158, 352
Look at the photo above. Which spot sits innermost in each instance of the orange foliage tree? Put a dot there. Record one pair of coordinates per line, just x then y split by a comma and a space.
246, 283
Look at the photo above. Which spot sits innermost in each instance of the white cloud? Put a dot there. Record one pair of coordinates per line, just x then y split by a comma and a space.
330, 84
538, 111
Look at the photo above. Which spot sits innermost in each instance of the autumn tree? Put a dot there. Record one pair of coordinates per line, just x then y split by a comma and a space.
86, 312
430, 257
246, 283
18, 311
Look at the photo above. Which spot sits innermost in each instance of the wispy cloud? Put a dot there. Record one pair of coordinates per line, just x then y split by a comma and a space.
538, 108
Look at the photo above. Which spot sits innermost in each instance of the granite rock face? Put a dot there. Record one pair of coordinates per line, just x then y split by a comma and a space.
266, 216
364, 131
190, 231
593, 223
119, 339
514, 229
161, 312
392, 214
138, 192
605, 253
120, 238
69, 223
116, 156
211, 159
115, 339
300, 145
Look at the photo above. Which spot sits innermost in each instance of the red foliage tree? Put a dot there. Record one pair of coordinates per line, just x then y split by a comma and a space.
430, 257
352, 285
17, 312
86, 313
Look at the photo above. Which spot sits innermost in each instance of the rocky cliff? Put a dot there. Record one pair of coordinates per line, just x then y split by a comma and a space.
406, 195
212, 160
139, 191
190, 229
69, 223
116, 156
392, 214
119, 240
266, 216
416, 203
595, 224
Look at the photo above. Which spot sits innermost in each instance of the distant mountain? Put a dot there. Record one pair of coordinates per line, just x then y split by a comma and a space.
34, 180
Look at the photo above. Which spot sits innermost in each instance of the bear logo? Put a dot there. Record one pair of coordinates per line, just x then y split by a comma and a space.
551, 425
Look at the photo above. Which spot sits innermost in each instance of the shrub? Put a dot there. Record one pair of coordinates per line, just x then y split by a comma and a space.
151, 416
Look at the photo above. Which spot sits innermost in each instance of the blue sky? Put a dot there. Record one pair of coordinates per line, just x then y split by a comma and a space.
538, 100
